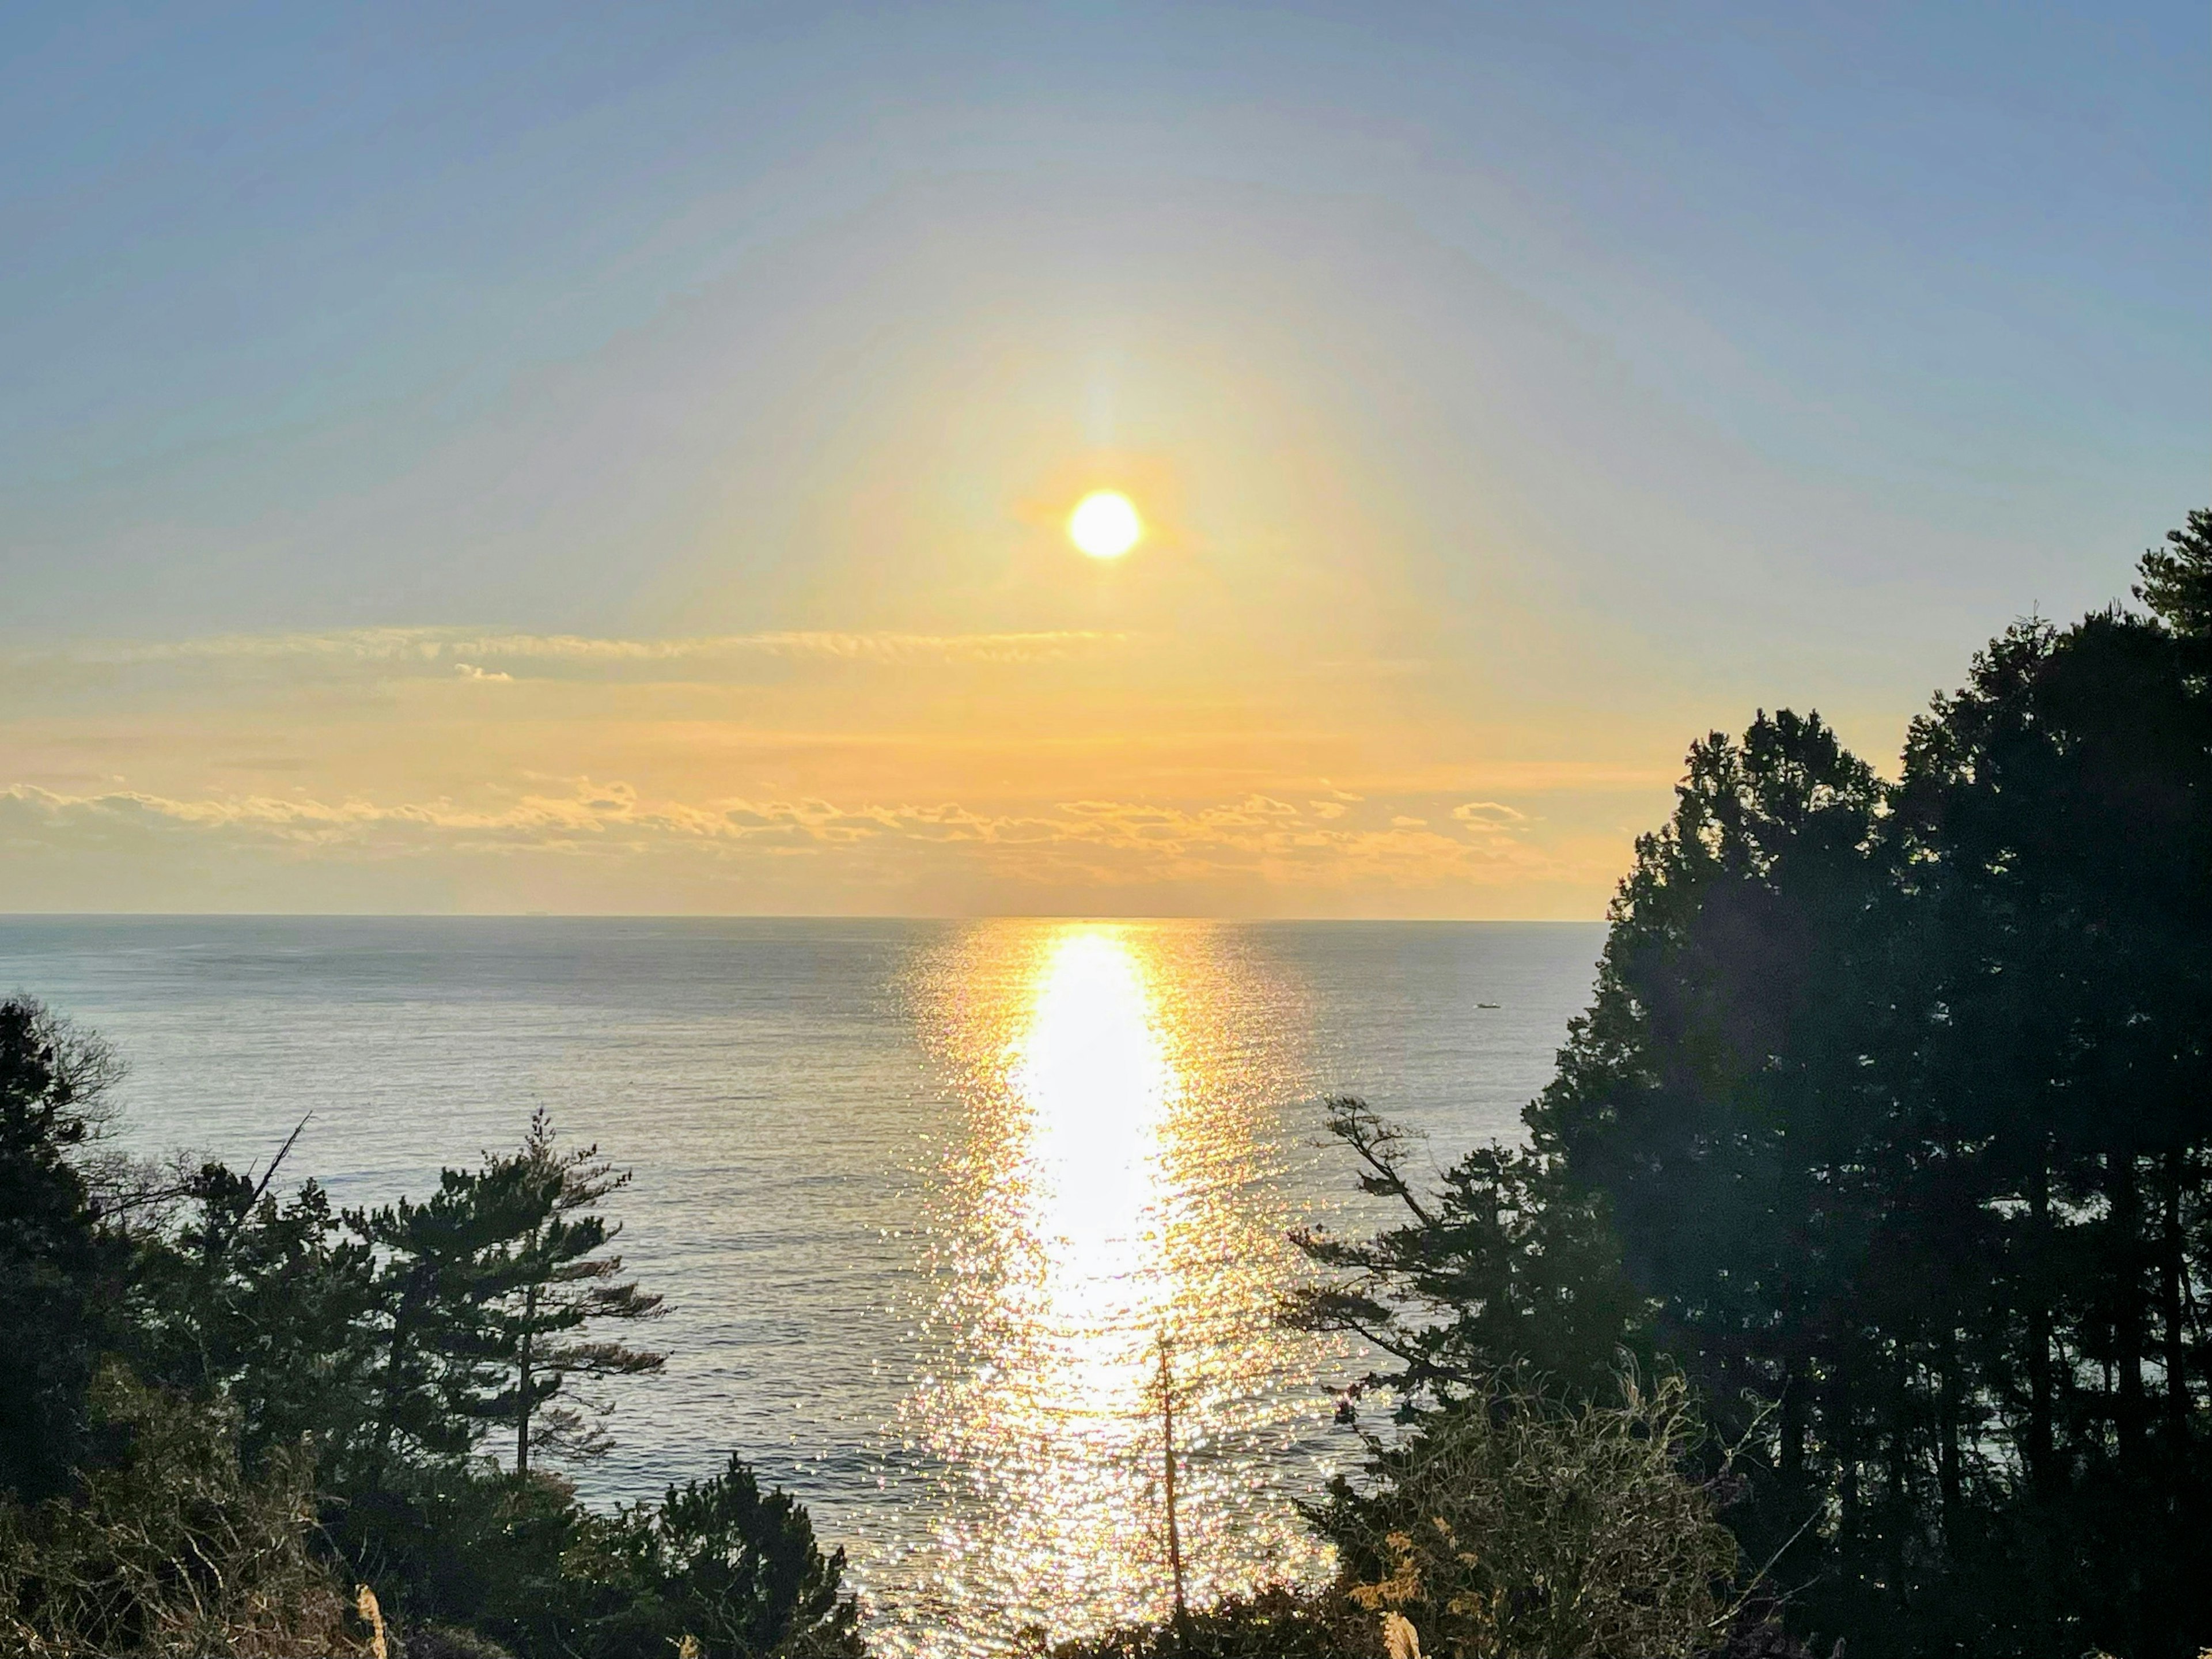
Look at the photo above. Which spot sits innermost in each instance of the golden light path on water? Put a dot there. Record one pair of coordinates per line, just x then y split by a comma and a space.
1133, 1093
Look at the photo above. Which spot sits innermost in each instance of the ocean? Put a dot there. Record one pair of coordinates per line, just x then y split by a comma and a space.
929, 1201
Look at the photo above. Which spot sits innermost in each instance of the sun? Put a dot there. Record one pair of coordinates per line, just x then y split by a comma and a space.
1105, 524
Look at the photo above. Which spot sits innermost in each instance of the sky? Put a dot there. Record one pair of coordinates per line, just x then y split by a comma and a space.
616, 459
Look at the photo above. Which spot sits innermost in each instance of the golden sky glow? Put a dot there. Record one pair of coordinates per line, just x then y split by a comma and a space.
650, 485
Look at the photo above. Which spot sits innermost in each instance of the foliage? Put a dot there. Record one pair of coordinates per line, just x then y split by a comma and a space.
1511, 1525
1501, 1266
1893, 1097
470, 1547
1885, 1134
324, 1385
57, 1265
172, 1548
266, 1302
565, 1283
2177, 580
443, 1267
736, 1570
404, 1335
462, 1545
1279, 1622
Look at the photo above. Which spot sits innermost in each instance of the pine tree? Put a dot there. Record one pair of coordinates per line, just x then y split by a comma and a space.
562, 1282
1501, 1268
443, 1267
268, 1303
1898, 1099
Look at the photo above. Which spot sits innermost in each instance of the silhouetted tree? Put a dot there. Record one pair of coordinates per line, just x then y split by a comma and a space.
441, 1266
1898, 1099
736, 1570
266, 1302
294, 1350
2056, 816
2176, 582
57, 1266
1499, 1267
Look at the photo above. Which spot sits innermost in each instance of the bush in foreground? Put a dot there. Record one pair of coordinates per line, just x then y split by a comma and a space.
1515, 1523
171, 1548
1279, 1622
1516, 1526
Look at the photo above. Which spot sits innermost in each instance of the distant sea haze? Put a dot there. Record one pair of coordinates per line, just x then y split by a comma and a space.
927, 1197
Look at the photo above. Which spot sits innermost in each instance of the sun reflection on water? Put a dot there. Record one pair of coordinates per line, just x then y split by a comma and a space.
1092, 1073
1129, 1089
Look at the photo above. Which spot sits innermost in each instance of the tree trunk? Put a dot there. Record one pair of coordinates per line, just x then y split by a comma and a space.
395, 1363
522, 1385
2130, 1411
2170, 1283
1947, 1438
2042, 1465
1794, 1381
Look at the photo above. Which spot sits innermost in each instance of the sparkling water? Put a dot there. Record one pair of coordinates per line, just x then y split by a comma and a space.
931, 1202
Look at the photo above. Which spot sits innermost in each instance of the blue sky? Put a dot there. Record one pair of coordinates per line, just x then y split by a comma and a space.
1612, 362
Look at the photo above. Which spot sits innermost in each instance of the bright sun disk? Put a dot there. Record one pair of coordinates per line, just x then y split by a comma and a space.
1104, 524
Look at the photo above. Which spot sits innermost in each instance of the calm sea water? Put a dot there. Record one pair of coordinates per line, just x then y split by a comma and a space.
929, 1201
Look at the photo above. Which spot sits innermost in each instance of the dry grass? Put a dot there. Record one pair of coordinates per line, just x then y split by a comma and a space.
1514, 1528
175, 1551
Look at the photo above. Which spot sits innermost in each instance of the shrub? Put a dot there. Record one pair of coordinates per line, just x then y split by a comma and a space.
1514, 1525
735, 1570
170, 1548
1279, 1622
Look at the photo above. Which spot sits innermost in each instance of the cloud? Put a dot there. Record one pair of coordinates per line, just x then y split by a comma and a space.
588, 824
1489, 814
492, 654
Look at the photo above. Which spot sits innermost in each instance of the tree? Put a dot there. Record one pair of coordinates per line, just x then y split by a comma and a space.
291, 1351
267, 1304
1279, 1621
443, 1267
58, 1268
1719, 1057
563, 1283
1500, 1268
172, 1546
2058, 817
735, 1570
2176, 582
1895, 1099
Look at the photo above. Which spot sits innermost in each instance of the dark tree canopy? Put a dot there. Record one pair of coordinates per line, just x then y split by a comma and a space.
1500, 1263
2177, 579
57, 1266
1894, 1106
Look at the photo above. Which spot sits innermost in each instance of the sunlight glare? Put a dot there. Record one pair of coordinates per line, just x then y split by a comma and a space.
1105, 524
1111, 1201
1091, 1068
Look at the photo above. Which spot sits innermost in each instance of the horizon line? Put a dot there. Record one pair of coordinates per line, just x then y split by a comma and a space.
778, 916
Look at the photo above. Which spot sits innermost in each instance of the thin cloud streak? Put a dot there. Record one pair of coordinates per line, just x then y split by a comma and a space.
442, 650
1094, 842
